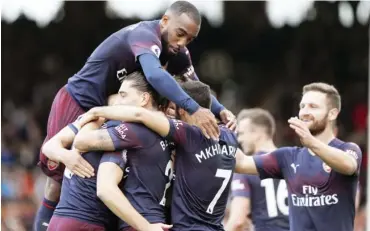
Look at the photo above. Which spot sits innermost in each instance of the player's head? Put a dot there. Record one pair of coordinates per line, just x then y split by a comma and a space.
255, 126
136, 91
319, 106
180, 25
200, 92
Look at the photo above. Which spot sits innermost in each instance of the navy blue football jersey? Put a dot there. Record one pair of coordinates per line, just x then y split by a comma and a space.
204, 169
78, 197
319, 197
116, 57
148, 169
268, 200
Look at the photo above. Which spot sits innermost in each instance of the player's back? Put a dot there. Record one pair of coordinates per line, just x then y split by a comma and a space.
78, 195
110, 62
268, 200
115, 58
203, 168
149, 175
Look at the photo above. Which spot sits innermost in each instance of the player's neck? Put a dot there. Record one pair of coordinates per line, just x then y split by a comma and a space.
326, 136
150, 107
265, 146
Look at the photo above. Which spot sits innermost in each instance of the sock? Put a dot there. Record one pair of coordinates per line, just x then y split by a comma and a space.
44, 215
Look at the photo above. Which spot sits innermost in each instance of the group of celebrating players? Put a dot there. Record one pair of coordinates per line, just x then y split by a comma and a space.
136, 142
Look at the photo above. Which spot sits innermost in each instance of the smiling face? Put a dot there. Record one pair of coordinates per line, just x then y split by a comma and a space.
316, 112
178, 31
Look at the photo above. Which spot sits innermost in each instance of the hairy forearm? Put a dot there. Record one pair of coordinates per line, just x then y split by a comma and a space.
335, 158
114, 199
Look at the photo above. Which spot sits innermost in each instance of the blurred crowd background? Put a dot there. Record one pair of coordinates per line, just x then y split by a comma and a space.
248, 60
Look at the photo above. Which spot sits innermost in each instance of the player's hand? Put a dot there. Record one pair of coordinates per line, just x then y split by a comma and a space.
228, 118
78, 165
83, 119
206, 121
301, 129
159, 227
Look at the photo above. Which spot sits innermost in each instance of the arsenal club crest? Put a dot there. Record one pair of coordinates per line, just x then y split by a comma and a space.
326, 168
52, 165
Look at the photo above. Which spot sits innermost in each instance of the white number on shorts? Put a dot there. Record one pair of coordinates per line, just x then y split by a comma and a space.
276, 200
68, 173
169, 173
221, 173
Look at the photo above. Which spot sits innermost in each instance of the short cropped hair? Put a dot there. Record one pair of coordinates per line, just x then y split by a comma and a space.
199, 91
259, 117
140, 83
184, 7
331, 92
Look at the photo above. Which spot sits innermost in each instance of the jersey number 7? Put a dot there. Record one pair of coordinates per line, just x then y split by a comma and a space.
221, 173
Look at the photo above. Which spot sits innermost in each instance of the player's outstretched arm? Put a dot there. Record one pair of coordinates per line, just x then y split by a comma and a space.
57, 149
109, 176
245, 164
154, 120
165, 84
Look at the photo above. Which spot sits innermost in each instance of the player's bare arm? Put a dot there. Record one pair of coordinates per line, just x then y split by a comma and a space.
154, 120
238, 218
109, 176
335, 158
245, 164
57, 149
91, 138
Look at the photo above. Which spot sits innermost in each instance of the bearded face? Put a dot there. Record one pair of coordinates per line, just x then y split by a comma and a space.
314, 112
316, 125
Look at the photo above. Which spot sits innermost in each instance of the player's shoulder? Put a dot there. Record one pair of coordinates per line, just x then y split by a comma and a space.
226, 131
142, 129
111, 123
341, 143
143, 29
179, 124
348, 147
137, 129
227, 135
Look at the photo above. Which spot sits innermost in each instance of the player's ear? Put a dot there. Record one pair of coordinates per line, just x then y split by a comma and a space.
145, 99
333, 114
165, 20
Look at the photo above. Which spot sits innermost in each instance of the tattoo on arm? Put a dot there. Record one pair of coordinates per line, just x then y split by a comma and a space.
99, 140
